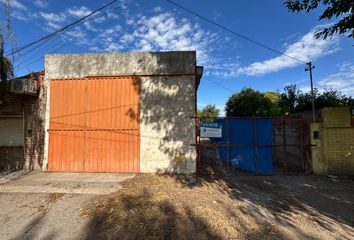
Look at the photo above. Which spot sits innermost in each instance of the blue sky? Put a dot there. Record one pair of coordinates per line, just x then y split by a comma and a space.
230, 63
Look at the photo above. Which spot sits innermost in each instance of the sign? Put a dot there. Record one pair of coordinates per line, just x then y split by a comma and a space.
210, 130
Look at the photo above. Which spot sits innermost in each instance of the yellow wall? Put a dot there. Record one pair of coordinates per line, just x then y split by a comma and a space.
334, 150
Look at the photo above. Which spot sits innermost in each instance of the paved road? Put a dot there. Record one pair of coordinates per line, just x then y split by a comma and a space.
38, 205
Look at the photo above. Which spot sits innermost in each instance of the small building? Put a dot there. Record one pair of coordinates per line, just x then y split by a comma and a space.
22, 108
105, 112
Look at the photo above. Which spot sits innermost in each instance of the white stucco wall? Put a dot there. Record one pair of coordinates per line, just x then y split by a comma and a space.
166, 106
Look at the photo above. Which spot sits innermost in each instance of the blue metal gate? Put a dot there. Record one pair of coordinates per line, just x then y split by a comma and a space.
246, 144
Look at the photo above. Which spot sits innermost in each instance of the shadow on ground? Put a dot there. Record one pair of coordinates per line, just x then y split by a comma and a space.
223, 207
279, 198
145, 217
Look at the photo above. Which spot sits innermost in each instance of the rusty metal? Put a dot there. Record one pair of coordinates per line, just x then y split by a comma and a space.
123, 76
283, 122
301, 125
92, 128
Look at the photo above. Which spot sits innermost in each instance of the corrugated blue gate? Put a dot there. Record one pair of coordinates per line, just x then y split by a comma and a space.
246, 144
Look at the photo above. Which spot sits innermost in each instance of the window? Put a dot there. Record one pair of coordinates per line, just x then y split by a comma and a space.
11, 131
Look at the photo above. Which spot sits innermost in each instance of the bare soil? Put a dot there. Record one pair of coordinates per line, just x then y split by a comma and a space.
225, 207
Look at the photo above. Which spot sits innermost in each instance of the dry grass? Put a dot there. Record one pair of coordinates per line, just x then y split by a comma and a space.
52, 198
179, 207
158, 207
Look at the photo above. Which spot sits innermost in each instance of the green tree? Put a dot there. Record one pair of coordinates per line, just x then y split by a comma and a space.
288, 99
330, 98
248, 103
349, 102
209, 111
293, 100
341, 10
274, 98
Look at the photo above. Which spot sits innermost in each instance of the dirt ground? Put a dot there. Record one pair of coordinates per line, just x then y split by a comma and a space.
39, 205
188, 207
239, 207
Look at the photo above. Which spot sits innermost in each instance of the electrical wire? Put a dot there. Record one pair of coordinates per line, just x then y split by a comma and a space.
63, 29
233, 32
31, 61
220, 85
88, 20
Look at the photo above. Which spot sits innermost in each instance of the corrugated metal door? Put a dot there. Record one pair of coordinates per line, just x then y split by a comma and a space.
94, 125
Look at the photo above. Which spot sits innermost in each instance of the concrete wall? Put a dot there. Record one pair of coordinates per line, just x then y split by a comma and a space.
334, 150
166, 105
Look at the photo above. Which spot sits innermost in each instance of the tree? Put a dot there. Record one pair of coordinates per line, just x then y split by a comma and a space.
209, 111
274, 98
343, 10
6, 67
248, 103
330, 98
293, 101
288, 98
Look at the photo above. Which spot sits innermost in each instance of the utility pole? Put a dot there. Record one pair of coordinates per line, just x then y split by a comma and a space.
309, 68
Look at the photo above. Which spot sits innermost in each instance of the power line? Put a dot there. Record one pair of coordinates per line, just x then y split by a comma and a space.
221, 86
61, 29
19, 67
233, 32
52, 37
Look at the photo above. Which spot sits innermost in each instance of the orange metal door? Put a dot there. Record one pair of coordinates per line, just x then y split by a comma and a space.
94, 125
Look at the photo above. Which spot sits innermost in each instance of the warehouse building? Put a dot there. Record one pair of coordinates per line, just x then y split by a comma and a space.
120, 112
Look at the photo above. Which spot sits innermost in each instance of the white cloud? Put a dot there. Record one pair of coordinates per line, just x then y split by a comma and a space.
53, 17
99, 19
165, 32
223, 67
161, 32
306, 49
52, 26
16, 4
77, 33
112, 15
90, 27
53, 20
41, 3
108, 40
19, 16
343, 80
79, 11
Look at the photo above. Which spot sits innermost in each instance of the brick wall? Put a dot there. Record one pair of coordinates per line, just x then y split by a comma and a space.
12, 104
11, 158
30, 156
340, 150
333, 152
